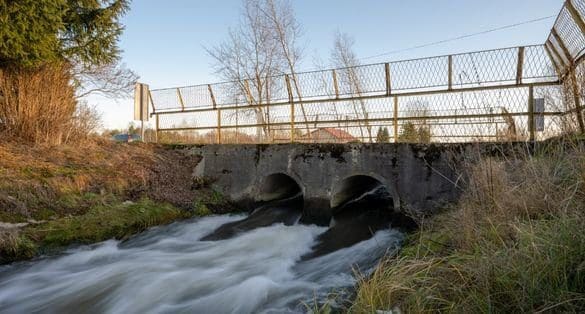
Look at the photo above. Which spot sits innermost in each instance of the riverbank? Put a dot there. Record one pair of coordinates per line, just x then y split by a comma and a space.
55, 196
513, 243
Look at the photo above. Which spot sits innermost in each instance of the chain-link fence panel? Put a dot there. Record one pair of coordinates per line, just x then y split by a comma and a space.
512, 94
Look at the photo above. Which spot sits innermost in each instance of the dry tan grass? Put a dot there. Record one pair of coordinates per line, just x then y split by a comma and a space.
68, 186
37, 178
513, 243
37, 105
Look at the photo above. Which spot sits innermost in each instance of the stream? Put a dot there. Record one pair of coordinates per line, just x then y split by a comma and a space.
169, 269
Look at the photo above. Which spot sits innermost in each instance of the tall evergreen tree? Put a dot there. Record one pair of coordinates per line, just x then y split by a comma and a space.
386, 135
412, 134
383, 136
34, 32
52, 52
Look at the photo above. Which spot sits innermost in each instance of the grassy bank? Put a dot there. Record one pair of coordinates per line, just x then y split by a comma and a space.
100, 223
55, 196
515, 242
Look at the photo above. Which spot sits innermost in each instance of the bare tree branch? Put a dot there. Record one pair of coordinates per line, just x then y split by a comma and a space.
257, 52
112, 80
344, 57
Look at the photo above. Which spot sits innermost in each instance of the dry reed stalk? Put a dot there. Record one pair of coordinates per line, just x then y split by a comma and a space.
37, 105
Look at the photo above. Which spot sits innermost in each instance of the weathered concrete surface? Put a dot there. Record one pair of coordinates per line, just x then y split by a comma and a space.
419, 177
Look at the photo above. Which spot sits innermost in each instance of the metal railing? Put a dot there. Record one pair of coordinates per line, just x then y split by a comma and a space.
520, 93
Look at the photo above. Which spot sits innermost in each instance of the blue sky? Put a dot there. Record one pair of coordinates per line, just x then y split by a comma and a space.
165, 41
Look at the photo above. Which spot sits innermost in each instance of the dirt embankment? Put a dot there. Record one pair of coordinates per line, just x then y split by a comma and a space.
92, 192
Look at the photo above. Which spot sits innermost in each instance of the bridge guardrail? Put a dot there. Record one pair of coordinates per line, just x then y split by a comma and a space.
520, 93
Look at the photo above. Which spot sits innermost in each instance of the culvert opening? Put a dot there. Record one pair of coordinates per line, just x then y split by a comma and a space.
279, 201
361, 206
361, 193
278, 186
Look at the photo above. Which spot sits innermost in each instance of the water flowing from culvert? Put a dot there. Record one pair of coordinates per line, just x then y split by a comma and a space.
264, 262
169, 270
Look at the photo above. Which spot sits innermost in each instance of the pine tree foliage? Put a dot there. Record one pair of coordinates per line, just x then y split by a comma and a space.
383, 135
35, 32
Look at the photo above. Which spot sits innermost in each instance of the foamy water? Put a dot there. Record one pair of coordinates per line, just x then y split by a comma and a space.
168, 270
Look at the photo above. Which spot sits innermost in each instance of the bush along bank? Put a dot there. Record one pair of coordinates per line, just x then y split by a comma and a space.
55, 196
513, 243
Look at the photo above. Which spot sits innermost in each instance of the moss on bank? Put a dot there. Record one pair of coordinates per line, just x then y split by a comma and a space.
114, 221
67, 195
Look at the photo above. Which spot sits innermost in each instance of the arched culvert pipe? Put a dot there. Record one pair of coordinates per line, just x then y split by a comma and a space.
361, 206
360, 191
278, 186
279, 199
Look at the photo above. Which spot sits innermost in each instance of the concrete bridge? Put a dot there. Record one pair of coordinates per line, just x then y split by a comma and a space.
418, 177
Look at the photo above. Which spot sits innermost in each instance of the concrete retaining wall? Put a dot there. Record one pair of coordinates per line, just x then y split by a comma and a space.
419, 177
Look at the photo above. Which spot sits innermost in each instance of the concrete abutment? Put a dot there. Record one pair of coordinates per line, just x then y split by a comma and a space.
419, 178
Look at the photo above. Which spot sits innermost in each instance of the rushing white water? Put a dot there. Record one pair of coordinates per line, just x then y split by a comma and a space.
168, 270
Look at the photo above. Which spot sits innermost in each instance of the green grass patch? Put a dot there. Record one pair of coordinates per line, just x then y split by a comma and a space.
105, 222
15, 247
114, 220
200, 209
11, 217
543, 270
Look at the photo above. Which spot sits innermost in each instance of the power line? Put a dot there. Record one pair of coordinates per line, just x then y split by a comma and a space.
460, 37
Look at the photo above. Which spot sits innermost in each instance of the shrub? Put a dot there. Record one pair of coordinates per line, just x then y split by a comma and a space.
36, 105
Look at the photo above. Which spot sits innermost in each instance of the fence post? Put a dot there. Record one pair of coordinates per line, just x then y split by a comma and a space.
267, 95
218, 126
552, 59
520, 67
555, 52
531, 129
180, 99
151, 101
388, 79
450, 73
576, 16
248, 92
156, 133
335, 83
395, 119
577, 99
563, 46
292, 108
212, 96
237, 125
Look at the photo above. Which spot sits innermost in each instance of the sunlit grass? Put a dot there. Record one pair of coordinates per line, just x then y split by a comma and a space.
514, 243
